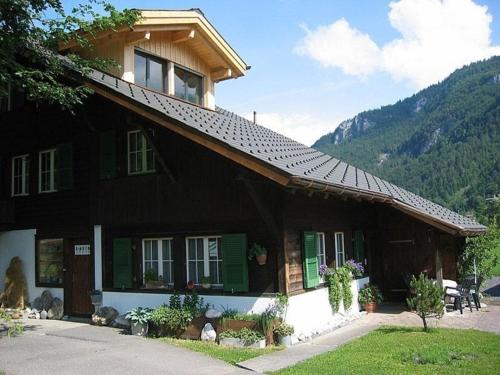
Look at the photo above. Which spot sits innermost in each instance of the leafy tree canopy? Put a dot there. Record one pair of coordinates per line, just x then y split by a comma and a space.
29, 45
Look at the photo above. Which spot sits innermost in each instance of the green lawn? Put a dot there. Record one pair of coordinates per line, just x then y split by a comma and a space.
395, 350
229, 355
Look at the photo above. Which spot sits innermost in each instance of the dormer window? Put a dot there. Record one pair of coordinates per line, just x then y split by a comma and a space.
150, 71
188, 85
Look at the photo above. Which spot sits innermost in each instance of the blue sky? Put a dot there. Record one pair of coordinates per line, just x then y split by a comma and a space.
316, 63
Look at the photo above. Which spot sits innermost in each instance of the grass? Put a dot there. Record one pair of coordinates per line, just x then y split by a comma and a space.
226, 354
399, 350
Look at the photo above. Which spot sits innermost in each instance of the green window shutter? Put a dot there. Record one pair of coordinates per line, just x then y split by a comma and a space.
122, 263
311, 267
234, 262
64, 166
359, 246
107, 155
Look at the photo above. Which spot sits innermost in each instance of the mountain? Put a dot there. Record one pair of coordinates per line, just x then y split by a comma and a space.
442, 143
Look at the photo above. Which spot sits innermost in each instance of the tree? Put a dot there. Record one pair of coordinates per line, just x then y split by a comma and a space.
427, 300
480, 253
29, 46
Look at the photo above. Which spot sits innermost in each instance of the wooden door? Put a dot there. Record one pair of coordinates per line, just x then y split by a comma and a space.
78, 277
398, 261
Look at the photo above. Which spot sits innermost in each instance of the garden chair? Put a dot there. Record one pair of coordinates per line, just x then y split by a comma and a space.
461, 292
475, 291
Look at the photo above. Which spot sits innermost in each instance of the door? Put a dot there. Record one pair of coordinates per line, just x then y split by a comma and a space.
78, 276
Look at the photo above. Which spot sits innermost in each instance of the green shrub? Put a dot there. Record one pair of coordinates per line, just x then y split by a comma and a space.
284, 330
170, 321
247, 335
427, 300
370, 294
139, 315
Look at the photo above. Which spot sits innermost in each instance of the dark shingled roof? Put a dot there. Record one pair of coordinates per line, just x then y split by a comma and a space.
292, 158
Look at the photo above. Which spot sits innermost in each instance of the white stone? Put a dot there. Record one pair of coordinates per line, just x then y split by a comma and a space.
213, 314
43, 314
208, 333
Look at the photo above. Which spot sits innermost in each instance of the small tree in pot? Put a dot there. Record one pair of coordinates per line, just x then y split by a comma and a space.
370, 297
427, 300
139, 319
284, 332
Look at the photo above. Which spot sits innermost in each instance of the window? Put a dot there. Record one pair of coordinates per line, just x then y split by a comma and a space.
20, 175
339, 249
47, 170
14, 99
204, 259
150, 71
320, 244
141, 158
157, 256
188, 86
50, 262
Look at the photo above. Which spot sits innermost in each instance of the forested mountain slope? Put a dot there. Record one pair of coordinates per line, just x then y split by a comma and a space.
442, 143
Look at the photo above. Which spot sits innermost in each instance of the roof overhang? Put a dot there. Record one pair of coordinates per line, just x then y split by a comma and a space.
186, 26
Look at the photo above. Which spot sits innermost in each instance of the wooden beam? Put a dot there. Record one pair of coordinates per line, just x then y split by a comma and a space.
137, 37
130, 121
182, 36
439, 267
194, 135
220, 74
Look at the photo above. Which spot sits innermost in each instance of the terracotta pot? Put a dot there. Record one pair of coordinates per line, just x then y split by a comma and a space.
370, 307
261, 259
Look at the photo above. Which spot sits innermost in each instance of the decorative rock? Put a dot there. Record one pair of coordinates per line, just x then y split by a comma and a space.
37, 304
121, 322
208, 333
16, 288
43, 314
213, 314
47, 300
57, 309
104, 316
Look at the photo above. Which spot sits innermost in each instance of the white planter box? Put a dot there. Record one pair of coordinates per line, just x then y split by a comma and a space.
237, 343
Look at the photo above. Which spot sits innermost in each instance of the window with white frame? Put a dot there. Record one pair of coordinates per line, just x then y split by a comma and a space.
320, 244
141, 158
157, 257
204, 259
339, 249
47, 171
20, 175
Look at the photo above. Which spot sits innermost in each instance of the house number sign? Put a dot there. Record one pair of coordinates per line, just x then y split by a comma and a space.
82, 249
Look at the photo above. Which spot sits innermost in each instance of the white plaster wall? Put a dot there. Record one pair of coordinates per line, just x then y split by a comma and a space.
21, 243
124, 301
310, 313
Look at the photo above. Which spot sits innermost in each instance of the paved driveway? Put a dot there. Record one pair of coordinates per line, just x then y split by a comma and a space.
56, 347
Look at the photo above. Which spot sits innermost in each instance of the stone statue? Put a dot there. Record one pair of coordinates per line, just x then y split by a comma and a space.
16, 289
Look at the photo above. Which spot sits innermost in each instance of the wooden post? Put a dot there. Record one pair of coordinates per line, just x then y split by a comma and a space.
439, 268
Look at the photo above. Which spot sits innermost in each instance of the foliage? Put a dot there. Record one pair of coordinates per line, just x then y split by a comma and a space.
14, 328
194, 304
249, 336
441, 143
281, 305
170, 321
150, 275
228, 354
284, 329
139, 315
334, 290
482, 249
400, 350
175, 301
339, 287
427, 300
206, 280
256, 250
30, 40
356, 268
267, 318
370, 294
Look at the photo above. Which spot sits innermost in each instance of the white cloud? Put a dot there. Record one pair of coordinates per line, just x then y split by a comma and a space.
300, 127
437, 37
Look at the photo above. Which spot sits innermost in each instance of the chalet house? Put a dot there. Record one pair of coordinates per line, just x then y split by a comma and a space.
150, 176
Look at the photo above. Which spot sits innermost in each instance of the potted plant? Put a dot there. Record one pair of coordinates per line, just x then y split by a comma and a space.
284, 332
243, 338
206, 282
151, 279
370, 297
190, 285
259, 253
139, 319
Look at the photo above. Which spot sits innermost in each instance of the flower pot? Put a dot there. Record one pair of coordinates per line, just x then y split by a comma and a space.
153, 284
206, 286
234, 342
138, 329
285, 341
370, 307
261, 259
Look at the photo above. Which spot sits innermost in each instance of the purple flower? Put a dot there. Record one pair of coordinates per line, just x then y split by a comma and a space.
356, 268
323, 269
